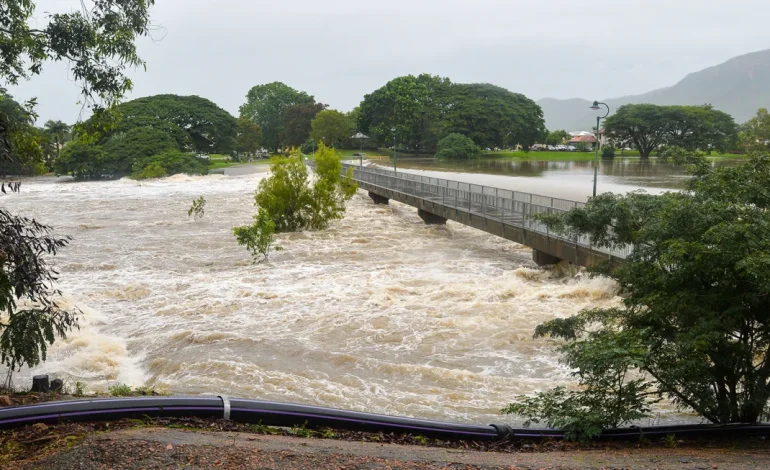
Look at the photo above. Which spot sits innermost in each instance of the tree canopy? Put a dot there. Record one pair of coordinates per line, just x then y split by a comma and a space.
426, 108
266, 105
693, 128
694, 325
332, 127
297, 121
197, 124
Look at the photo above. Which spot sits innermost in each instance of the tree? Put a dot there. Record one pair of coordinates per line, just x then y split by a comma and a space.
295, 202
410, 105
557, 137
265, 106
59, 133
98, 43
124, 149
690, 127
297, 121
82, 160
490, 115
197, 124
20, 142
755, 133
457, 147
332, 127
645, 125
249, 137
695, 321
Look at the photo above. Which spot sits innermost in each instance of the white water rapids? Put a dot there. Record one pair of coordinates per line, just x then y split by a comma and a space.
380, 313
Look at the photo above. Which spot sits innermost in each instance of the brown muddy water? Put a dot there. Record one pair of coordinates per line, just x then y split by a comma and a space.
379, 313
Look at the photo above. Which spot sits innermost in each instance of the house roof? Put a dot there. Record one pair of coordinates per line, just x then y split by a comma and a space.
586, 139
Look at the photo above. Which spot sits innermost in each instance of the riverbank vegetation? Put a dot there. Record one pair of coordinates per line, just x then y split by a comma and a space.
694, 325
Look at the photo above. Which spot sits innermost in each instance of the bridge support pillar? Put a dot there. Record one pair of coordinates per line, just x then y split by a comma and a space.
378, 199
430, 218
544, 259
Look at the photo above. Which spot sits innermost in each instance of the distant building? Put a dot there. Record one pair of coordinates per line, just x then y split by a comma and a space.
588, 139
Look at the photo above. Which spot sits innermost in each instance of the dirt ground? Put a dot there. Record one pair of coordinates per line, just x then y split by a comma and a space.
152, 447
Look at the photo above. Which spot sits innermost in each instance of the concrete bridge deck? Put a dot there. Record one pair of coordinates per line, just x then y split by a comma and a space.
501, 212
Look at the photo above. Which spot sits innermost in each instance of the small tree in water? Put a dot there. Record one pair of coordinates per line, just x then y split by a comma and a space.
695, 321
289, 201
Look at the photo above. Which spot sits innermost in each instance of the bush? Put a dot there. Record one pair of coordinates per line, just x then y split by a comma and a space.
456, 147
169, 163
608, 153
581, 147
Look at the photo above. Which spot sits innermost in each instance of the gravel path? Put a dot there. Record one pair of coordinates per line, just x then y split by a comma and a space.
173, 448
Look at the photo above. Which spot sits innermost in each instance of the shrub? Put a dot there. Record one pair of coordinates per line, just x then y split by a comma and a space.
169, 163
119, 390
581, 147
608, 153
456, 147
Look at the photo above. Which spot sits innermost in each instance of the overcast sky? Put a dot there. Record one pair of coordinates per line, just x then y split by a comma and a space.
339, 50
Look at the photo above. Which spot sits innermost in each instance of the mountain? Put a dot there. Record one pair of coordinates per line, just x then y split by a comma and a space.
738, 87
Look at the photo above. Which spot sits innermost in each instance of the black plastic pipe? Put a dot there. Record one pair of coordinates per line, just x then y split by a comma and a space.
288, 415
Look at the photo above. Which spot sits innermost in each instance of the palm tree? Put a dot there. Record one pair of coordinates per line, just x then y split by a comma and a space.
59, 133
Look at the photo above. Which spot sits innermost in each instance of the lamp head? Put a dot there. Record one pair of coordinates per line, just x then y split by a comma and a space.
595, 106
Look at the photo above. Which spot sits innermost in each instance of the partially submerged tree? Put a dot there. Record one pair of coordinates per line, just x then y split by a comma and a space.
289, 200
694, 325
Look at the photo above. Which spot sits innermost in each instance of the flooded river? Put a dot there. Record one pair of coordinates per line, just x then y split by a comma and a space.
379, 313
564, 179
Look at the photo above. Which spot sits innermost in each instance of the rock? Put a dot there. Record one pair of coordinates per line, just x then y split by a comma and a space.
39, 427
5, 400
57, 385
40, 384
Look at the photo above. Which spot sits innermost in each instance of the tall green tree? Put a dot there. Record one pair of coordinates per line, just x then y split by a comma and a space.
333, 127
690, 127
694, 324
196, 123
490, 115
265, 106
297, 121
411, 106
98, 43
249, 137
646, 125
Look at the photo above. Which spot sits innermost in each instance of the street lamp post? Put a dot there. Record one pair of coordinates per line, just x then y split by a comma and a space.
395, 153
596, 107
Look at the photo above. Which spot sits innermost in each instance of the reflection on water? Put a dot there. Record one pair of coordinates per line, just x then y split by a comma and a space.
568, 179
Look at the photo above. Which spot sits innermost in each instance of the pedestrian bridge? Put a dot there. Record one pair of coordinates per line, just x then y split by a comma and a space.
501, 212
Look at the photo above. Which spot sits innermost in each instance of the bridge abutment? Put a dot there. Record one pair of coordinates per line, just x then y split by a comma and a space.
430, 218
378, 199
544, 259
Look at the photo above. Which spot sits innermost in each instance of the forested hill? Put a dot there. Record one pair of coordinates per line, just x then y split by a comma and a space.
738, 87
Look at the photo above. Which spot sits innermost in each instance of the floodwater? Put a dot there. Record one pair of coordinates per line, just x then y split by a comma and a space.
563, 179
379, 313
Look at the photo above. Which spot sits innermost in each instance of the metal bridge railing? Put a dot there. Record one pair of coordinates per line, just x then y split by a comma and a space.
512, 208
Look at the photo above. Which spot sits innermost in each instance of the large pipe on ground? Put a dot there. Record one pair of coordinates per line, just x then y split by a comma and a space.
289, 414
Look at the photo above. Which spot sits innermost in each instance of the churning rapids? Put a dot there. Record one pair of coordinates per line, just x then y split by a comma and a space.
379, 313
